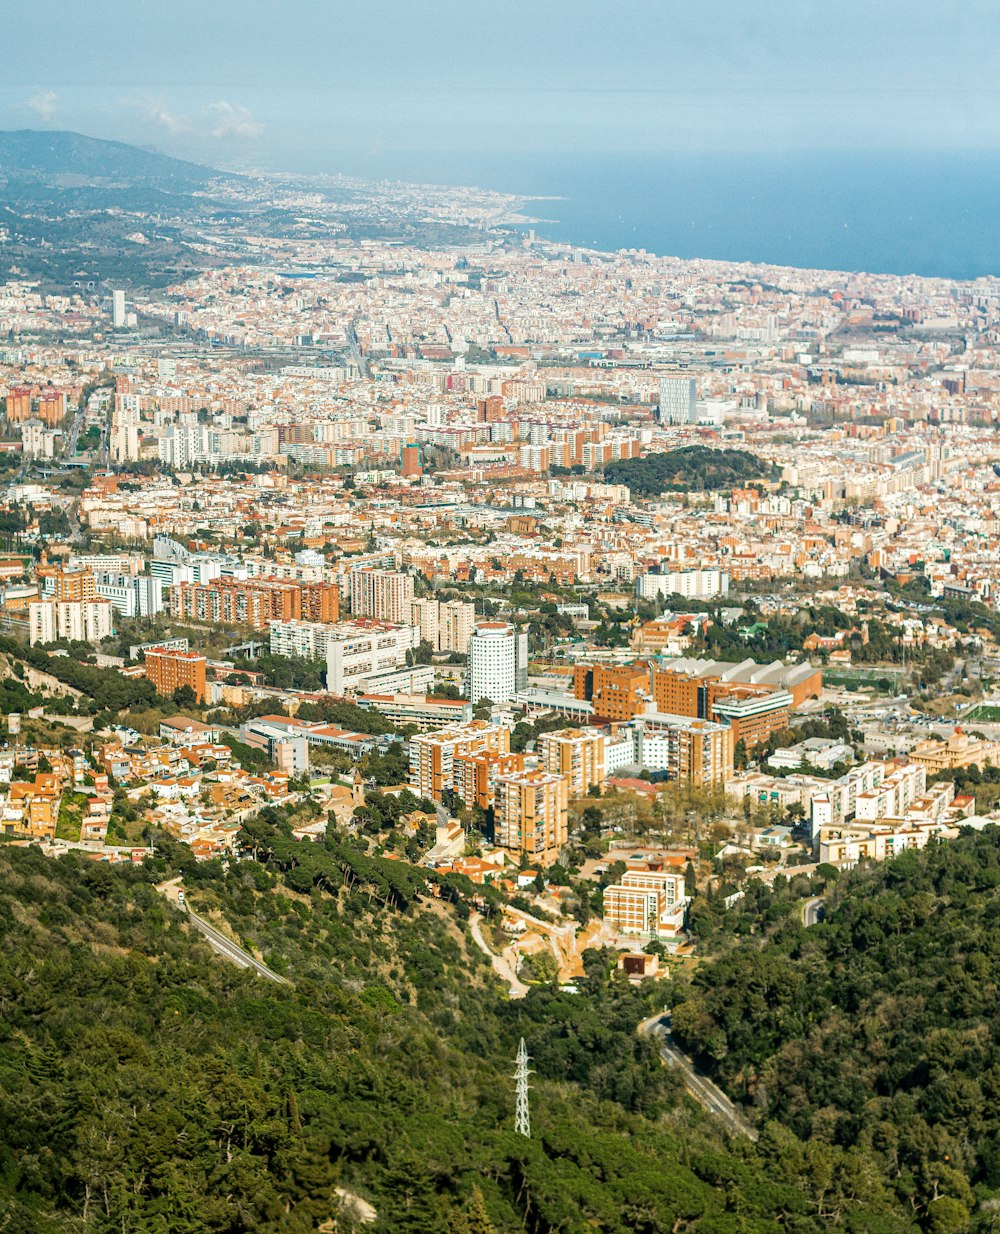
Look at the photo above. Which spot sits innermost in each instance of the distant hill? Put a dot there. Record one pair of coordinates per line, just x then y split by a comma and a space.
687, 470
69, 159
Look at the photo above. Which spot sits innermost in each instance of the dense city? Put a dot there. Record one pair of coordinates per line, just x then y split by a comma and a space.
613, 601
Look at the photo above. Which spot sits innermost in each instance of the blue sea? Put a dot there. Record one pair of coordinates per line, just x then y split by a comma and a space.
934, 214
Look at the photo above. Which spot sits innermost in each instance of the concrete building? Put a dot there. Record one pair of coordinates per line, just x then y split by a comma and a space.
615, 693
691, 584
386, 595
648, 902
168, 670
498, 662
577, 754
355, 651
433, 755
532, 815
678, 400
688, 749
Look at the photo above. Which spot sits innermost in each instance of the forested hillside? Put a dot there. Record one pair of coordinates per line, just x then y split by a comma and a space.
878, 1028
147, 1085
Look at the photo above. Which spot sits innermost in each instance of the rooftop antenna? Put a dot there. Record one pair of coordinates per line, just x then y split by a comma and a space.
522, 1119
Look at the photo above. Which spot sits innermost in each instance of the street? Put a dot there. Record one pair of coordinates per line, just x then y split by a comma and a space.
708, 1094
217, 941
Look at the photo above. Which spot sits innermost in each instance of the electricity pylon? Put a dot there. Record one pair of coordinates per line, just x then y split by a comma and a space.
522, 1118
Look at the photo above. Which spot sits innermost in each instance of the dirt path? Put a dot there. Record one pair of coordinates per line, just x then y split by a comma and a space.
505, 965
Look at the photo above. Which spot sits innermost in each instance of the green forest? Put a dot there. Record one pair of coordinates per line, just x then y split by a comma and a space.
876, 1030
147, 1085
690, 469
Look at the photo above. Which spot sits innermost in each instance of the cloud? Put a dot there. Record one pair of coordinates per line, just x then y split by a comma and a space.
232, 120
157, 113
44, 103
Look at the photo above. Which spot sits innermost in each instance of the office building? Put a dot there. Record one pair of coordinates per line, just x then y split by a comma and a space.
498, 662
616, 692
678, 400
532, 815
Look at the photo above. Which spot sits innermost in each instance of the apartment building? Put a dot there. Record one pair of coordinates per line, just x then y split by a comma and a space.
474, 776
168, 670
61, 583
577, 754
649, 901
433, 755
894, 796
532, 815
228, 601
691, 584
386, 595
691, 750
80, 621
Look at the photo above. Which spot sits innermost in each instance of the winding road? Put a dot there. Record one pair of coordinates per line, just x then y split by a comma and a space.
505, 965
217, 941
708, 1094
812, 911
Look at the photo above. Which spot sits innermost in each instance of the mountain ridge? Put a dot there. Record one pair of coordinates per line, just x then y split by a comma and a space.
37, 155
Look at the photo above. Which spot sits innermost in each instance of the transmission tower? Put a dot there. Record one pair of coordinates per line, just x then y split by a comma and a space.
522, 1118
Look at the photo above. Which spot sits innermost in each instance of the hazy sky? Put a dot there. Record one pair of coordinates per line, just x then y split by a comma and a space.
320, 84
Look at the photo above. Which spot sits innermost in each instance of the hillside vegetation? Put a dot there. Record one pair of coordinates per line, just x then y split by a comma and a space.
147, 1085
878, 1028
690, 469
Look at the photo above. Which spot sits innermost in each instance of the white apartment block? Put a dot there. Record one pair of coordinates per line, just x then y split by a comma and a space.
81, 621
386, 595
691, 584
353, 650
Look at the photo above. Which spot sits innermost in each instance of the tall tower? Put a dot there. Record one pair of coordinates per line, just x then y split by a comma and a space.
522, 1118
118, 309
678, 400
498, 662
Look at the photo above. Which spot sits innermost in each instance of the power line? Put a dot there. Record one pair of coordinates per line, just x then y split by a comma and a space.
522, 1117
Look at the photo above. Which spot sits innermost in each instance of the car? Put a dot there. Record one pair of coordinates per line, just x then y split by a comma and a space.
180, 897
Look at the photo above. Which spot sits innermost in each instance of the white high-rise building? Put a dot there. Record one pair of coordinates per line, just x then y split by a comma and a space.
118, 310
678, 400
384, 594
498, 662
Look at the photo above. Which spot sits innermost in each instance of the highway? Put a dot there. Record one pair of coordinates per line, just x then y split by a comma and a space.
218, 942
708, 1095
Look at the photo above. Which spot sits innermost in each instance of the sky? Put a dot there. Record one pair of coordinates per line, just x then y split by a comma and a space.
326, 86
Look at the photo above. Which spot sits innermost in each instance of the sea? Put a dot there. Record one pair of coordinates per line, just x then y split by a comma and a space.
931, 213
